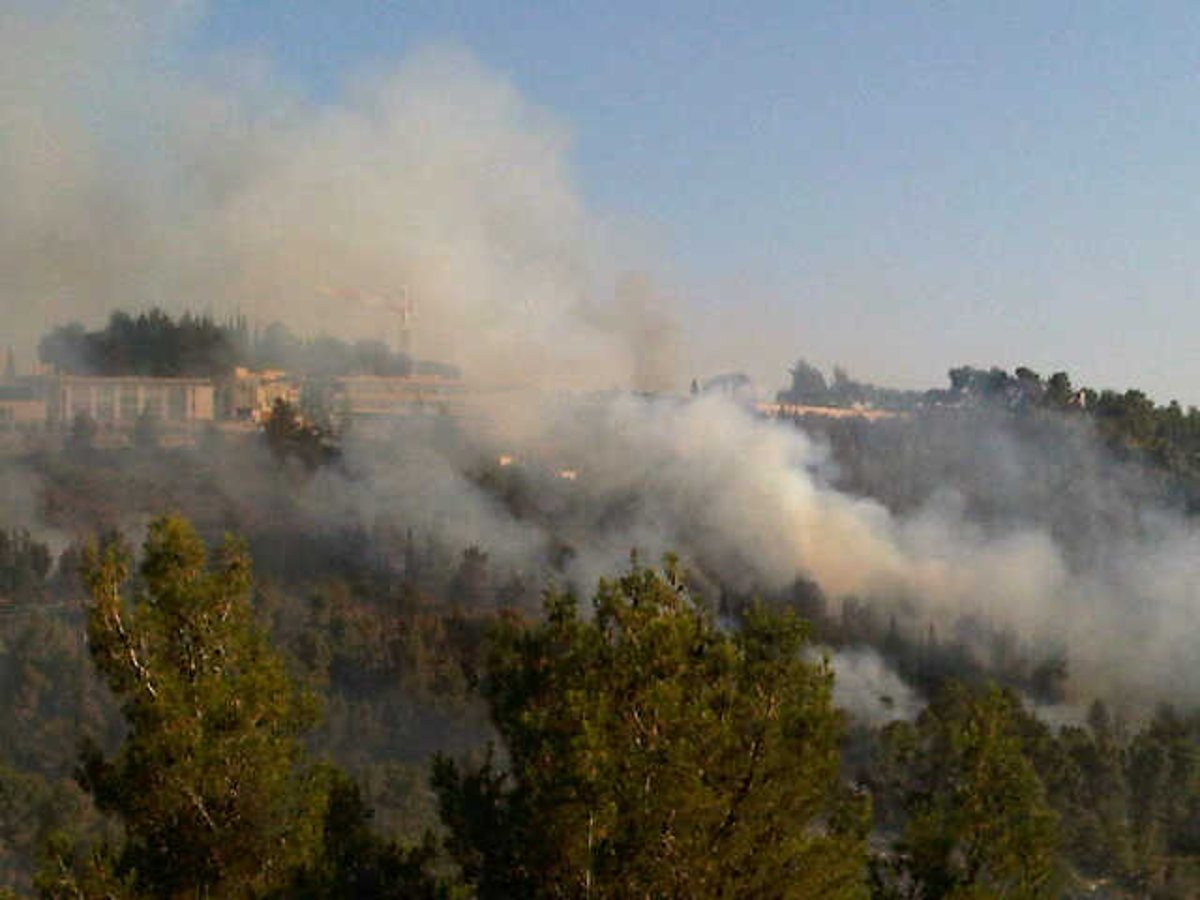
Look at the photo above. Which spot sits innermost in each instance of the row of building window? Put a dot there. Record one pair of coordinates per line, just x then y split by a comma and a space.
109, 403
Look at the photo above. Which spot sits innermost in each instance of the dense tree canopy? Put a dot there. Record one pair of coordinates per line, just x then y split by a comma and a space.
808, 385
979, 823
210, 783
650, 753
290, 436
150, 343
153, 343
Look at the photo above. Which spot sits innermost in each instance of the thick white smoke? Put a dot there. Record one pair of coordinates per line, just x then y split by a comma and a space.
752, 499
129, 182
866, 688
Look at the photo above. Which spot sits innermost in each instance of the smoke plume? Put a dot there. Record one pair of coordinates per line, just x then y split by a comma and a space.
131, 182
131, 179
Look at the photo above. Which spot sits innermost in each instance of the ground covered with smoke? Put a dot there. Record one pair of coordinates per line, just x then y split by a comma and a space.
961, 545
1018, 537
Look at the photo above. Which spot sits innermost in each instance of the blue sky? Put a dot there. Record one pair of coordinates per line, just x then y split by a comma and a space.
896, 187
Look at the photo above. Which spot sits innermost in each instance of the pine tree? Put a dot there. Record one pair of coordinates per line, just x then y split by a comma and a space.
210, 783
979, 822
653, 754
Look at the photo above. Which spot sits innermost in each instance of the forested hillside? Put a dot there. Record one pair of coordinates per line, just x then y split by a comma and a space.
222, 679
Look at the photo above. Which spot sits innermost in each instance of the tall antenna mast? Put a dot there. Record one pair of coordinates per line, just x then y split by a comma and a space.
407, 312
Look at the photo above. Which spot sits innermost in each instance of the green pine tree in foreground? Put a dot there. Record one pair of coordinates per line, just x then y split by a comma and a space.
647, 751
650, 753
211, 783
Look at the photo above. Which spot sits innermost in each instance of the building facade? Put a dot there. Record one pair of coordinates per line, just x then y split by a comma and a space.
121, 401
21, 408
382, 396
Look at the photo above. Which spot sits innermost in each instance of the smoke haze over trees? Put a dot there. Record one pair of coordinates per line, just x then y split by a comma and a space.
154, 344
380, 574
431, 191
1003, 573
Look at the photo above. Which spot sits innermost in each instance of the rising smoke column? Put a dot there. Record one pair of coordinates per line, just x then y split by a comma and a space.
754, 501
132, 180
136, 175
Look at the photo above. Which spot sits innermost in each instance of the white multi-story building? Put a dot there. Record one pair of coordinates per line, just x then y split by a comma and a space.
122, 400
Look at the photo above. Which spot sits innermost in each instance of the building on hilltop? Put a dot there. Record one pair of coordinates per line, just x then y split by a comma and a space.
21, 409
123, 399
384, 396
248, 396
42, 409
176, 406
